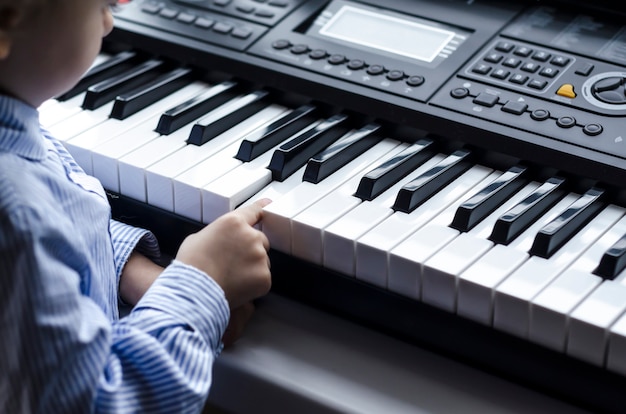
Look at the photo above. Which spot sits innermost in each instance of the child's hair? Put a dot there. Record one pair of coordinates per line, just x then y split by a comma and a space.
11, 9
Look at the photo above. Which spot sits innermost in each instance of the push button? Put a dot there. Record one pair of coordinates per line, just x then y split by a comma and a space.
537, 84
223, 28
584, 70
336, 59
376, 69
266, 14
186, 18
395, 75
566, 90
203, 23
566, 121
168, 13
592, 129
318, 54
415, 80
241, 32
486, 99
356, 64
540, 114
516, 108
244, 8
300, 49
281, 44
459, 93
151, 8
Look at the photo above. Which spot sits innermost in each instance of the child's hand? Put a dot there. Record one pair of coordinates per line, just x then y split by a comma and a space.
234, 253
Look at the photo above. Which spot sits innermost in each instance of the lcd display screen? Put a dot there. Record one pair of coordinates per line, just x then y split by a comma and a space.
387, 33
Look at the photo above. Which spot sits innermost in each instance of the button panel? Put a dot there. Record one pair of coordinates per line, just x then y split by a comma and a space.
540, 117
195, 22
353, 68
266, 12
556, 76
520, 66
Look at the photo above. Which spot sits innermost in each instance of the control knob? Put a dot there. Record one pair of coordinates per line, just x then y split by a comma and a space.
610, 90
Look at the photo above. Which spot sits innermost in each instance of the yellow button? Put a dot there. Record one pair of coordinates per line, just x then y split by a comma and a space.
566, 90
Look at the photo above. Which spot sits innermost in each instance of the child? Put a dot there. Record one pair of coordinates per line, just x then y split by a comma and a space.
64, 262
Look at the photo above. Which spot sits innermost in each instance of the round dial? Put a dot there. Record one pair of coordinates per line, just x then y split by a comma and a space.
606, 90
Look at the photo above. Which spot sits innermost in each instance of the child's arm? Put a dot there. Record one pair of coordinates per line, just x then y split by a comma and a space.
137, 276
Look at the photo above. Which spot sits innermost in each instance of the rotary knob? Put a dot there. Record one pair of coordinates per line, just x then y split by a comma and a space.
606, 91
610, 90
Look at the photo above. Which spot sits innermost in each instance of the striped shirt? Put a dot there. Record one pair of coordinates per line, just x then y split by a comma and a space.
63, 346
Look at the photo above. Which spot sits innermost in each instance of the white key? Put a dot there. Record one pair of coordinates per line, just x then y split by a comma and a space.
441, 271
48, 104
101, 58
341, 235
135, 161
277, 189
238, 185
54, 112
131, 166
80, 122
278, 215
307, 227
90, 144
187, 164
591, 320
406, 259
513, 295
550, 309
477, 284
372, 249
616, 353
121, 161
188, 185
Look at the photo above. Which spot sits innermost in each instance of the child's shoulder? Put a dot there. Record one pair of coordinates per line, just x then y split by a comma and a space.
23, 190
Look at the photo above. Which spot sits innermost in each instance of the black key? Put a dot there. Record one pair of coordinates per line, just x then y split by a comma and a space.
293, 154
119, 63
556, 233
416, 192
340, 153
512, 223
103, 92
262, 139
613, 261
391, 171
241, 110
483, 203
180, 115
132, 102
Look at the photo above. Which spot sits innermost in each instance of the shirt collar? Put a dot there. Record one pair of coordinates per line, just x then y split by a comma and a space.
20, 132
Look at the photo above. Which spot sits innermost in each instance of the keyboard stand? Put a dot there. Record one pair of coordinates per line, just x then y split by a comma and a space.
294, 358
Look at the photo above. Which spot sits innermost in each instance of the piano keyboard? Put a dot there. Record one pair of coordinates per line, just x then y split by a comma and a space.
505, 248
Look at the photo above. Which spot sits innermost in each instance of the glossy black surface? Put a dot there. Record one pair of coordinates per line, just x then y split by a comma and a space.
340, 152
247, 106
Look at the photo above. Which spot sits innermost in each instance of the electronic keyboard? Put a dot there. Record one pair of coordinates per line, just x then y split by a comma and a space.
448, 172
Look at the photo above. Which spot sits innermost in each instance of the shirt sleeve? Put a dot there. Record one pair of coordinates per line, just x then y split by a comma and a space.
166, 345
61, 353
126, 239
